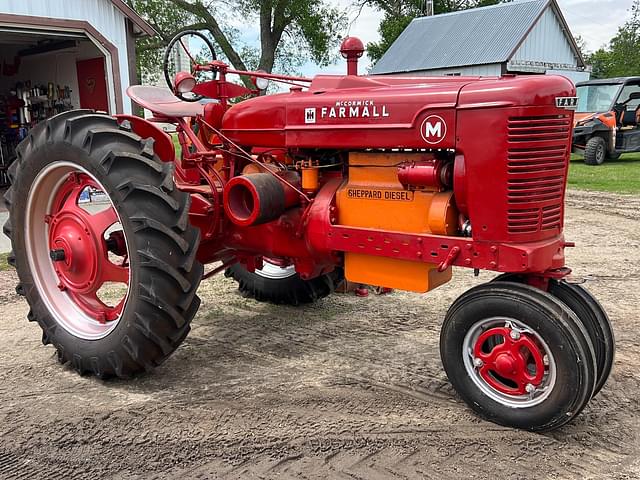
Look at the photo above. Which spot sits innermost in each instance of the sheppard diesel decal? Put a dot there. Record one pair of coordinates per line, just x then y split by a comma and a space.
347, 109
373, 194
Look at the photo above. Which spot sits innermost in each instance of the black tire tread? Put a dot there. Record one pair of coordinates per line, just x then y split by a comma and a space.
142, 189
591, 315
596, 322
289, 291
591, 149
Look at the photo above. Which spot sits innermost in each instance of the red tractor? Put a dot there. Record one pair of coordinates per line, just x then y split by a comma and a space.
386, 181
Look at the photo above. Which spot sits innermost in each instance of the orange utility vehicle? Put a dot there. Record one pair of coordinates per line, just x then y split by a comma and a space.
607, 119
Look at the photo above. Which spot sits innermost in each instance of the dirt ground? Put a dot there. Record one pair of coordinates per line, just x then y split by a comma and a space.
347, 388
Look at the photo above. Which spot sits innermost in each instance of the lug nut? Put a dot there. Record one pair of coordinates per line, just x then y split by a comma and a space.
515, 335
477, 363
57, 255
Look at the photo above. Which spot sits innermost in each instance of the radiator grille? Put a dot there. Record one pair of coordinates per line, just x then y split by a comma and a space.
536, 163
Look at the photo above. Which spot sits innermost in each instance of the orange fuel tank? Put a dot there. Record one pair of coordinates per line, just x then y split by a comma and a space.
373, 197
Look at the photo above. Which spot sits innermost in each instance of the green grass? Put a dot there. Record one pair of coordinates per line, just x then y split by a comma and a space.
617, 176
176, 144
3, 262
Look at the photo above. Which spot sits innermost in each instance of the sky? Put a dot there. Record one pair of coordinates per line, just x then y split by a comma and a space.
594, 20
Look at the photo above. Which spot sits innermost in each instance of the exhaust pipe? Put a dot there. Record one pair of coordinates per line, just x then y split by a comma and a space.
258, 198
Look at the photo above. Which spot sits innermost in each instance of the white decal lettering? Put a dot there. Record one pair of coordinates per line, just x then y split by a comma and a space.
433, 129
362, 109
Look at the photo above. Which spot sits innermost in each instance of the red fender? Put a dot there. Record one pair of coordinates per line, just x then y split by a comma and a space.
163, 145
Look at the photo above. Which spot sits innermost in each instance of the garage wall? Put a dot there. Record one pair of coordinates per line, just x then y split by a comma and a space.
62, 72
101, 14
7, 54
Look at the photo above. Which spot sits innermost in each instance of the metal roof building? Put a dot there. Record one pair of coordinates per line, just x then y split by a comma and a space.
527, 36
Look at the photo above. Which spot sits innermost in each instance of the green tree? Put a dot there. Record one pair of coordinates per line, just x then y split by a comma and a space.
167, 21
621, 58
399, 13
581, 43
291, 31
600, 62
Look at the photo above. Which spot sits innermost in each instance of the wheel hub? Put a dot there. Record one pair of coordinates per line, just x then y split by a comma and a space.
73, 235
511, 361
505, 365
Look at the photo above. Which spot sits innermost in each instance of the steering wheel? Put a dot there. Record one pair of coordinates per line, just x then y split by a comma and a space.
177, 56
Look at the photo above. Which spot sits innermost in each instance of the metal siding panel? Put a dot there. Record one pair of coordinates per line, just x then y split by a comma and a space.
478, 36
492, 70
575, 77
101, 14
547, 42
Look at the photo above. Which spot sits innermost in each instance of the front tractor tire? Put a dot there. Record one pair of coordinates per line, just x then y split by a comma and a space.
590, 313
596, 322
113, 284
518, 356
282, 285
595, 151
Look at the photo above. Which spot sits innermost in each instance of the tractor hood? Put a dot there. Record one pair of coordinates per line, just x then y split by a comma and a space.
350, 112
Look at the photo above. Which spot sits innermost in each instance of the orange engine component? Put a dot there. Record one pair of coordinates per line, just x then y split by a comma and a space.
310, 178
373, 197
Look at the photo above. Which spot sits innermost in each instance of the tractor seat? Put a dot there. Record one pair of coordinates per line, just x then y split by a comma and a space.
163, 103
629, 118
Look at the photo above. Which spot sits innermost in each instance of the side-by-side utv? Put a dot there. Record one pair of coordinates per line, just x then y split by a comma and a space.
607, 121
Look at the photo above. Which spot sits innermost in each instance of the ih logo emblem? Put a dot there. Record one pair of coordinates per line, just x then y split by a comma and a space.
309, 115
433, 129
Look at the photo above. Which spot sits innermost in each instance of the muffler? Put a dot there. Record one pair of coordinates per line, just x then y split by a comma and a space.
259, 198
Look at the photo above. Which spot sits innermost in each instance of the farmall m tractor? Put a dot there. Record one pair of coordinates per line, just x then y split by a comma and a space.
386, 181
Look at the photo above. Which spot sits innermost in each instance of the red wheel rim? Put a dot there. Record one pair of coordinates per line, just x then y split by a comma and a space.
276, 269
78, 253
507, 365
509, 362
80, 237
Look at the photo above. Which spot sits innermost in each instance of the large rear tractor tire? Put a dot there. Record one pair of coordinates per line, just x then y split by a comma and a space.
282, 285
112, 283
518, 356
595, 151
